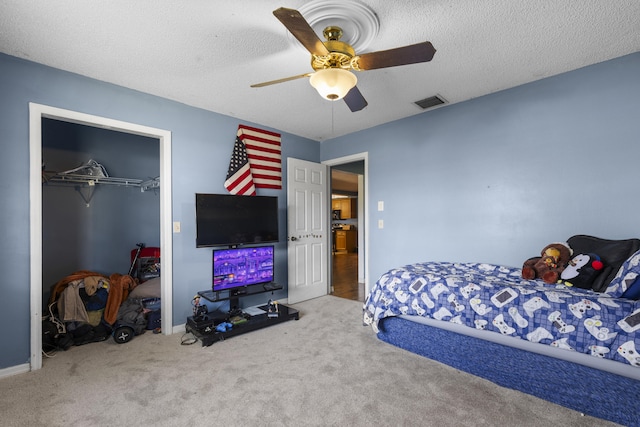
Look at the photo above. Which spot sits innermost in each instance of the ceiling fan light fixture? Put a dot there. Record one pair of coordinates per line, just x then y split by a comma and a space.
333, 83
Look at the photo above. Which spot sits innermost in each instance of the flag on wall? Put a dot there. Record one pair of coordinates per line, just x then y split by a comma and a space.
255, 162
239, 179
264, 152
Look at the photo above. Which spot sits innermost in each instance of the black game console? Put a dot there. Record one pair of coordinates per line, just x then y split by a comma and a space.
204, 324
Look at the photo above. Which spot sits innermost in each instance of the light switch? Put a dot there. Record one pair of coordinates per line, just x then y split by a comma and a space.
176, 226
380, 223
380, 205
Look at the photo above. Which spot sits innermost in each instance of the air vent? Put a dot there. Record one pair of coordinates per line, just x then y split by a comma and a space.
430, 102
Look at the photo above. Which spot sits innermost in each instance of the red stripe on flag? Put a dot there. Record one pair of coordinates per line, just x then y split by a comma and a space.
255, 157
264, 145
266, 132
263, 176
241, 183
235, 188
270, 166
264, 153
248, 190
272, 186
236, 180
270, 173
270, 151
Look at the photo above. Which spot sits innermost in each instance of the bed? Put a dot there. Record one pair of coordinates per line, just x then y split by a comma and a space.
574, 347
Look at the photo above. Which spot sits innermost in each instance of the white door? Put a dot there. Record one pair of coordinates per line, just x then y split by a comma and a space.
307, 229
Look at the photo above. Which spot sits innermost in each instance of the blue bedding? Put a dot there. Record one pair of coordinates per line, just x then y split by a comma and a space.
496, 298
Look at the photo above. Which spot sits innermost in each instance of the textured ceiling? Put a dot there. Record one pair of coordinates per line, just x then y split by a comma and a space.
207, 53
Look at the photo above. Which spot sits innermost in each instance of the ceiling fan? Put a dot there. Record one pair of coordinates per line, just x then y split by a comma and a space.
333, 59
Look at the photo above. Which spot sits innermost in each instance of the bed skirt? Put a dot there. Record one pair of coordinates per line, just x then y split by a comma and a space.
585, 389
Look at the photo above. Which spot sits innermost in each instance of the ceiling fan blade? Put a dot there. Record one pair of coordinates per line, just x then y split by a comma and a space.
412, 54
301, 30
286, 79
354, 100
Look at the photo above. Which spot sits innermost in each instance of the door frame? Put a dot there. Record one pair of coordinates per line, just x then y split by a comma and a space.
350, 159
36, 113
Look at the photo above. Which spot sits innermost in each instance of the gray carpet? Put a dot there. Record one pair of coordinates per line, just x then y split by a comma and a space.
325, 369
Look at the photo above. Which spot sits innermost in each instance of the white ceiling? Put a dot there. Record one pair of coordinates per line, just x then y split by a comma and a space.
206, 53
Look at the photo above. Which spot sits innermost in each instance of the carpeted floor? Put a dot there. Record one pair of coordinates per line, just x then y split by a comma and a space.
325, 369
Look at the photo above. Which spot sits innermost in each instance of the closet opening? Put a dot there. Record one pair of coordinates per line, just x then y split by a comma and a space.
95, 225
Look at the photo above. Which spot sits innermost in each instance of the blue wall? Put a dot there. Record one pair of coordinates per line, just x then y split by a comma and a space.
202, 142
496, 178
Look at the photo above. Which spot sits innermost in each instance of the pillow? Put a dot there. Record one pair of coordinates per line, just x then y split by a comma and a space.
148, 289
582, 271
624, 283
613, 254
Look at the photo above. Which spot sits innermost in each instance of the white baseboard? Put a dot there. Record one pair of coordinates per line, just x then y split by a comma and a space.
178, 329
15, 370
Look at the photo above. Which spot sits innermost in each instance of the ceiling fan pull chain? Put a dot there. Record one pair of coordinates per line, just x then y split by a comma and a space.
332, 128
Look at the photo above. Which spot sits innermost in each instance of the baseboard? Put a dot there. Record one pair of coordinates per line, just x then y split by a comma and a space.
15, 370
178, 329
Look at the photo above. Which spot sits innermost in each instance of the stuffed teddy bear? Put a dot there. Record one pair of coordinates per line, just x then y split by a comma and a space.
582, 270
548, 267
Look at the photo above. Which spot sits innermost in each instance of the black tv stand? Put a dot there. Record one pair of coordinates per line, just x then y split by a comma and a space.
234, 300
233, 295
204, 327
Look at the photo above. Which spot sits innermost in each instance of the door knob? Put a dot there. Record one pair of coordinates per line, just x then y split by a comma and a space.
293, 238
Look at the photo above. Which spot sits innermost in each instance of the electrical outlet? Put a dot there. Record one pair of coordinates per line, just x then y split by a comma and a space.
176, 226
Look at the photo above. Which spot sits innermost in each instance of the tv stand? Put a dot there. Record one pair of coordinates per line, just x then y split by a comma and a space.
234, 301
204, 327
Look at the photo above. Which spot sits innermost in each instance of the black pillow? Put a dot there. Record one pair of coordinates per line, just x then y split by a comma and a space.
613, 254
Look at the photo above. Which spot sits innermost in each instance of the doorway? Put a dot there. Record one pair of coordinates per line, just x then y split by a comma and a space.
37, 113
348, 213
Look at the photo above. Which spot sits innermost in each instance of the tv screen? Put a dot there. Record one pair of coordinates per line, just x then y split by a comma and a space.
240, 267
228, 220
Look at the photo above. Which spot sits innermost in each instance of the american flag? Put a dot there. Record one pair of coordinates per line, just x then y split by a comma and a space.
264, 152
256, 162
239, 179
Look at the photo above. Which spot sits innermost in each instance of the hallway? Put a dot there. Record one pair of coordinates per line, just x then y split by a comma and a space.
345, 277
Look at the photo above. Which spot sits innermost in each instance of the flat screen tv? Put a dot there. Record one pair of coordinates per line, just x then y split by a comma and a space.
241, 267
228, 220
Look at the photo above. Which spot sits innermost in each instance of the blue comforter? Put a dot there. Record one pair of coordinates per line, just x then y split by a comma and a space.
496, 298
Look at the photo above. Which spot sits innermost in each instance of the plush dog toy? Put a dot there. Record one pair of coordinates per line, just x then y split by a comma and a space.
548, 267
582, 270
